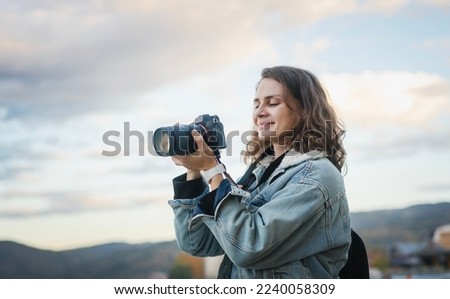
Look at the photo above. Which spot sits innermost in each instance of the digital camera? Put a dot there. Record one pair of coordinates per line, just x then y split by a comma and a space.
177, 140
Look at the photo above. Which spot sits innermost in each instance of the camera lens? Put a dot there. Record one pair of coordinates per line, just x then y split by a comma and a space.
175, 140
162, 142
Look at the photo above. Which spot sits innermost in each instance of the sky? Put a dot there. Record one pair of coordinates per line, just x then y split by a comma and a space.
73, 72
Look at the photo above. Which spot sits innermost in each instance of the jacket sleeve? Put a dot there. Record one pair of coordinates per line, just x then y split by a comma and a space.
296, 221
196, 240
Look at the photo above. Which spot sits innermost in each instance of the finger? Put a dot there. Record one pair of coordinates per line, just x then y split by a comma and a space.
176, 161
199, 140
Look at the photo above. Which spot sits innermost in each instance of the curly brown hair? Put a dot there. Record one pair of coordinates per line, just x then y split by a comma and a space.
319, 127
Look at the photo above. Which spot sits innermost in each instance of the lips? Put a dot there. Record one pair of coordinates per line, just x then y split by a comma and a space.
264, 126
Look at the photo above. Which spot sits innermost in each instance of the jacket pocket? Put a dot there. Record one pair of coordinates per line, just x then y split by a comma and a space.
288, 271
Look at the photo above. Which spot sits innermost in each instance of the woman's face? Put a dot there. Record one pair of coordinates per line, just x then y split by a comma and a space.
274, 115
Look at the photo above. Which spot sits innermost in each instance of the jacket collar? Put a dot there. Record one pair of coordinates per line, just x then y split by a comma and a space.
293, 158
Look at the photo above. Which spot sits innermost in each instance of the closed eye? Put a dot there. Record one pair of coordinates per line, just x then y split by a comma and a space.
256, 104
270, 101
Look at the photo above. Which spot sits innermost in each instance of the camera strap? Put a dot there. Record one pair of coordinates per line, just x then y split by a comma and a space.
225, 173
248, 178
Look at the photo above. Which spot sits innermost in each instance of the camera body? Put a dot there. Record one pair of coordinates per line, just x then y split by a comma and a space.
178, 141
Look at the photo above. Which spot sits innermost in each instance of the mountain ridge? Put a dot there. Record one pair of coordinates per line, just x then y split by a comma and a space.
412, 224
379, 229
113, 260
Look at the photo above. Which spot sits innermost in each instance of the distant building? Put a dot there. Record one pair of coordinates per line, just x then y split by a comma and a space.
405, 254
438, 250
432, 252
442, 236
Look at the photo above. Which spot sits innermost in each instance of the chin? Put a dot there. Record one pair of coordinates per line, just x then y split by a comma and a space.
266, 135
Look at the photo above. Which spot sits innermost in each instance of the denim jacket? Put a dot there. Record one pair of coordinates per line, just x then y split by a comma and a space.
295, 225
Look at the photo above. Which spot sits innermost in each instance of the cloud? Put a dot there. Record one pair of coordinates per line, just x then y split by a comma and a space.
442, 44
384, 6
37, 204
383, 98
437, 3
391, 144
58, 168
20, 156
67, 58
79, 69
303, 12
392, 113
435, 187
304, 53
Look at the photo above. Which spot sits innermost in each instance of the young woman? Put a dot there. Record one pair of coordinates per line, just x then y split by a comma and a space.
288, 216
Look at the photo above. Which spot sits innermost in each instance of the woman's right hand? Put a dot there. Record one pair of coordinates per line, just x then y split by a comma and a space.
191, 173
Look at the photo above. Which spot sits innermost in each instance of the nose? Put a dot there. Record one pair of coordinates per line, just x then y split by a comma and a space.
260, 111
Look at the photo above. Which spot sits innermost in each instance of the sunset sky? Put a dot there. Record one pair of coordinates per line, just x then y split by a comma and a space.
72, 71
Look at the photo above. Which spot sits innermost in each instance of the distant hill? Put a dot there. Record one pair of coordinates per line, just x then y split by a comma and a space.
413, 224
119, 260
116, 260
